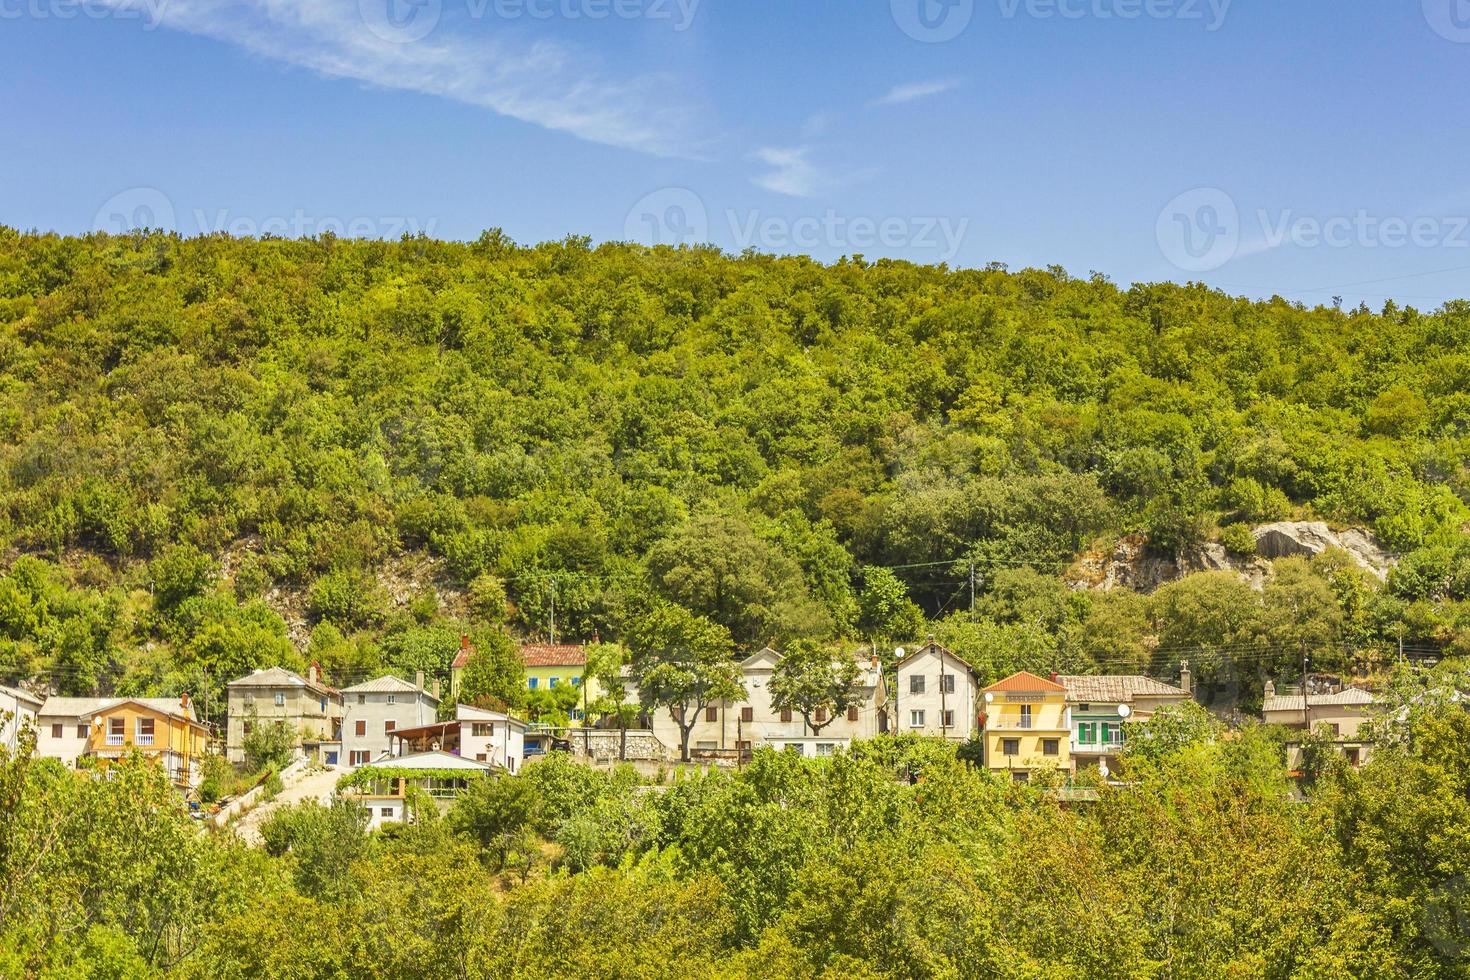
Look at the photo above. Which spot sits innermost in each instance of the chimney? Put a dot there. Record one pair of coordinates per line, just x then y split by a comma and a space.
418, 679
436, 689
184, 700
1186, 680
596, 638
875, 662
464, 641
314, 673
1052, 677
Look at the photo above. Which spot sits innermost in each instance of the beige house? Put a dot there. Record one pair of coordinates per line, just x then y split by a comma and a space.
478, 734
936, 694
727, 727
1345, 713
1098, 705
374, 709
311, 709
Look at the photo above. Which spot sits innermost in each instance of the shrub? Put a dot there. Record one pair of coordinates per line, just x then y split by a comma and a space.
1238, 539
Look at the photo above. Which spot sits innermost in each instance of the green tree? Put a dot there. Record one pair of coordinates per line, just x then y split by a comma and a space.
812, 680
681, 663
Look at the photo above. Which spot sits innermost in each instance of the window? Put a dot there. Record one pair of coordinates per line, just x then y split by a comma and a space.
357, 758
576, 682
533, 682
360, 728
145, 731
747, 715
322, 705
916, 719
916, 684
116, 728
1020, 776
392, 699
1049, 746
56, 730
946, 719
1025, 716
482, 729
825, 749
711, 714
389, 725
1084, 707
1010, 746
479, 757
362, 699
82, 731
1112, 733
1087, 733
785, 714
247, 727
280, 699
1353, 757
852, 712
386, 811
1336, 731
553, 681
821, 715
946, 683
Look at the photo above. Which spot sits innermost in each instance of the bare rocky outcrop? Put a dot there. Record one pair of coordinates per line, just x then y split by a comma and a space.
1309, 538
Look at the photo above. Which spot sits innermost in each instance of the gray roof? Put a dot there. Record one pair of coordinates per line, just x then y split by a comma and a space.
19, 695
430, 761
1116, 688
278, 677
1347, 697
76, 707
387, 684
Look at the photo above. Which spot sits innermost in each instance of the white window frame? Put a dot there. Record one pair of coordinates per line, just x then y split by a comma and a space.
916, 717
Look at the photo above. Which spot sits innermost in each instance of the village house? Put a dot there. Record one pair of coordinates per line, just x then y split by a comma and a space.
479, 734
309, 708
1098, 705
374, 709
390, 788
552, 665
1344, 713
1027, 725
103, 729
17, 709
730, 728
936, 694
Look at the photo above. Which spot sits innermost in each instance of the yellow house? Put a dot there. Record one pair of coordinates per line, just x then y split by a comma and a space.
553, 665
172, 737
1026, 725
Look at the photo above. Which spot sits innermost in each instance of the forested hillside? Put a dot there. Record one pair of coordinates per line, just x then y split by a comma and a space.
217, 454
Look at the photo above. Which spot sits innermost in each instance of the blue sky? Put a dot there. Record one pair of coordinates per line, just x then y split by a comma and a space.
1312, 148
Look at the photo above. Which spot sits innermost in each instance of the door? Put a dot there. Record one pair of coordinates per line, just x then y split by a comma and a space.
331, 758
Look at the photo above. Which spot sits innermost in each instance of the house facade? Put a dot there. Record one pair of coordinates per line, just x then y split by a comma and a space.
478, 734
1344, 713
435, 776
732, 727
935, 694
1098, 705
105, 729
1027, 725
374, 709
311, 709
17, 709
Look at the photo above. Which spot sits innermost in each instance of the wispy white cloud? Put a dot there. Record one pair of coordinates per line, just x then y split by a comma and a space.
536, 82
913, 91
792, 172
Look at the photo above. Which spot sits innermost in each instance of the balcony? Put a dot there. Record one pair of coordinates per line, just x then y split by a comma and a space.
116, 739
142, 739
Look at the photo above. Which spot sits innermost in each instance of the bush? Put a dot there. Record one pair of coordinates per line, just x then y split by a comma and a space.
348, 598
1238, 539
269, 744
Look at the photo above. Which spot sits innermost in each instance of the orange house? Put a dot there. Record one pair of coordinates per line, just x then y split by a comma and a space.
173, 738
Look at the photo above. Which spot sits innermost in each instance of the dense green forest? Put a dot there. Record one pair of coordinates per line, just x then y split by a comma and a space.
1200, 865
221, 453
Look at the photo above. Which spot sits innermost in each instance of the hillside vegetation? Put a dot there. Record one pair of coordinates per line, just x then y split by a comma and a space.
203, 439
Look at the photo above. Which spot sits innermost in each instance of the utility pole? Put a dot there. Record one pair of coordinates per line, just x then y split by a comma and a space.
972, 589
553, 612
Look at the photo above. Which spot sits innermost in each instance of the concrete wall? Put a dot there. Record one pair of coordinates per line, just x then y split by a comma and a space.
374, 710
309, 715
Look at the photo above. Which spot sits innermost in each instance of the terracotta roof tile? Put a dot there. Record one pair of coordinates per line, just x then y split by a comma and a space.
554, 655
1025, 681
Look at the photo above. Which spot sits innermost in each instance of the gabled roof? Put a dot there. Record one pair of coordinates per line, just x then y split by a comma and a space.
935, 647
553, 655
279, 677
76, 707
19, 695
461, 658
466, 712
762, 657
1348, 697
1115, 688
387, 684
429, 761
1025, 682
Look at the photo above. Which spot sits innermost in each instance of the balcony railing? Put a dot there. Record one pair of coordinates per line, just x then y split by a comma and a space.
142, 739
115, 739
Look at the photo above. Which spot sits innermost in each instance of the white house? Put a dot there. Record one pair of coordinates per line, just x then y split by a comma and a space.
440, 776
64, 725
479, 734
936, 694
374, 709
17, 709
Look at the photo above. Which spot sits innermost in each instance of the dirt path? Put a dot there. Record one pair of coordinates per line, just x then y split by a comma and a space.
313, 784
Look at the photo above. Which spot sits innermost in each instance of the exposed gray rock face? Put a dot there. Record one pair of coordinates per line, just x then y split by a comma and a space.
1308, 538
